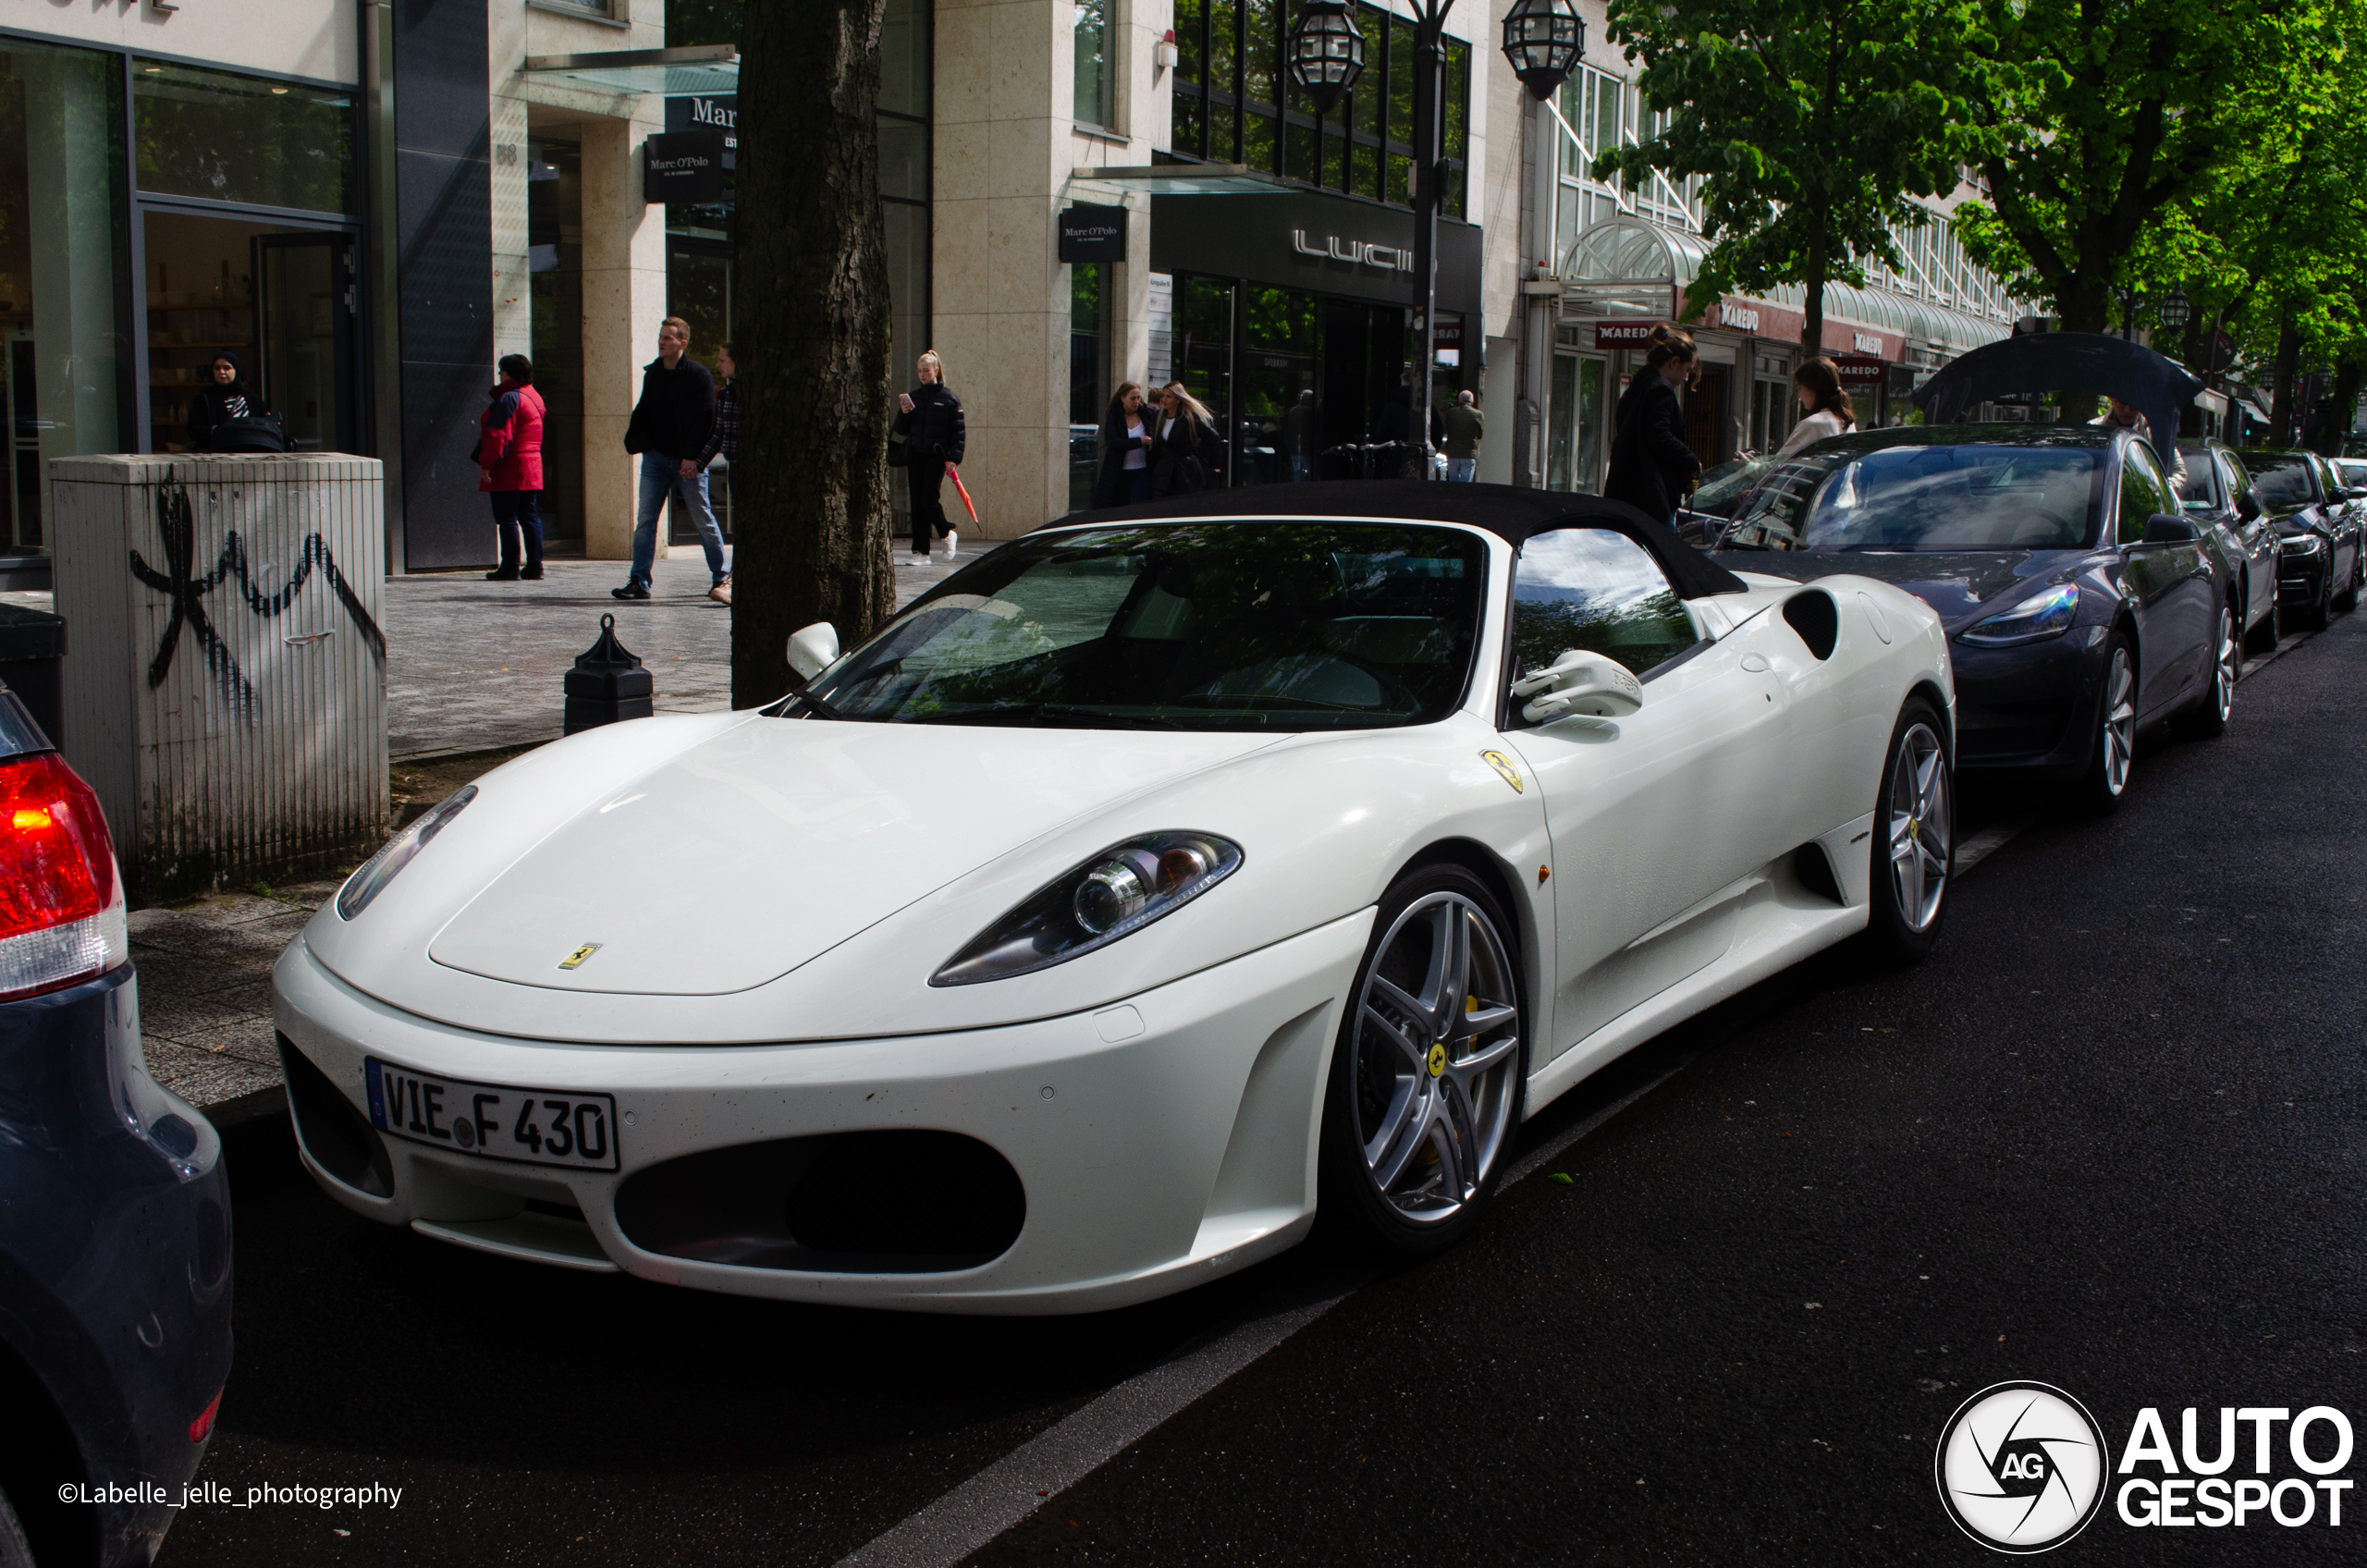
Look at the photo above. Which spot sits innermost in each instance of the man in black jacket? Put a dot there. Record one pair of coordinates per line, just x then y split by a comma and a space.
670, 428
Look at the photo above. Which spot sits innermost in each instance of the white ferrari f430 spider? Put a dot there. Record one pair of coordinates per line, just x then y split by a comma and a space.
1146, 885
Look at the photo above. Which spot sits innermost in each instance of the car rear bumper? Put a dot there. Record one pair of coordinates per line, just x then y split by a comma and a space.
1154, 1144
115, 1248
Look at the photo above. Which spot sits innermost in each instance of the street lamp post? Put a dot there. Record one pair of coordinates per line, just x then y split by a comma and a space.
1326, 56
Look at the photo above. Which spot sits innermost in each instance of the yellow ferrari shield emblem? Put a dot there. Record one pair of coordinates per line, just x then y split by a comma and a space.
1503, 765
575, 959
1438, 1061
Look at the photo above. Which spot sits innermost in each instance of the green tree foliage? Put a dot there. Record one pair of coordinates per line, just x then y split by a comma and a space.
2090, 120
1810, 121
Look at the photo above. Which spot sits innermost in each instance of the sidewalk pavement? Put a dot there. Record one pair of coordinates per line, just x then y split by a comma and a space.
471, 667
474, 666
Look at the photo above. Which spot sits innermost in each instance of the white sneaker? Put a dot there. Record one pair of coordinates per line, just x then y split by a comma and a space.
952, 543
915, 560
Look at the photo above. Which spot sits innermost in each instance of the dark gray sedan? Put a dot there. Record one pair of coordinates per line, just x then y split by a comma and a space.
2219, 494
2320, 562
2079, 599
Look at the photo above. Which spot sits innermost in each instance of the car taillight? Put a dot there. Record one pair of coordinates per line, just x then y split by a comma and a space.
61, 904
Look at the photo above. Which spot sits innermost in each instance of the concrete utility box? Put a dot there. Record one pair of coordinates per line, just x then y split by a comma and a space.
226, 684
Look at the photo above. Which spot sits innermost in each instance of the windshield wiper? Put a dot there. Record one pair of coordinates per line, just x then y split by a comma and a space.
820, 708
1025, 712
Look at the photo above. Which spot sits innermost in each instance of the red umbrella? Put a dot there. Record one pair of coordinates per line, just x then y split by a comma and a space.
964, 491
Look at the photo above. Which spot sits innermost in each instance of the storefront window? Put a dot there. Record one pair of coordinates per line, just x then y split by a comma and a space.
1278, 366
1231, 86
243, 139
61, 157
1203, 344
554, 241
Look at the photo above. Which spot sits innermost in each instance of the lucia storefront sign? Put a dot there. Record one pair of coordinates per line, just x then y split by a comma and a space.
1356, 252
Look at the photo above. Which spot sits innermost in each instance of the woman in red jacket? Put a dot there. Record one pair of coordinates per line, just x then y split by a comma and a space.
510, 453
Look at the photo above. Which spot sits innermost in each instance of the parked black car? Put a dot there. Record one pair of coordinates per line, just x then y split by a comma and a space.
2079, 600
2320, 565
2219, 498
1703, 515
115, 1217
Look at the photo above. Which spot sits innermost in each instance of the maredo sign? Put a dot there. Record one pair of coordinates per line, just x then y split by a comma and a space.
1623, 334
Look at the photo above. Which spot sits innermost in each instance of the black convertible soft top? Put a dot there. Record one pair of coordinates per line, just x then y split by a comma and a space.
1514, 515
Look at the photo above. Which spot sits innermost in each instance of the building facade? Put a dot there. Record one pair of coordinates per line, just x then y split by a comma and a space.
368, 201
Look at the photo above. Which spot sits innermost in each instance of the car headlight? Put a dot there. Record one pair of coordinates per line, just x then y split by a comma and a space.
381, 868
1114, 894
2046, 615
2301, 544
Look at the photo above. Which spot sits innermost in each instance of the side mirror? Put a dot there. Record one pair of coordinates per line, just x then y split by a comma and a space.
1579, 682
2165, 528
2247, 508
813, 650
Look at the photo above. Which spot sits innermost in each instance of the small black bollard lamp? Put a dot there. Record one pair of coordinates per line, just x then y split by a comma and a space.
607, 684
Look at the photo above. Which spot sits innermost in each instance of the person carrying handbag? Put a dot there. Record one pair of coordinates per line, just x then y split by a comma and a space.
1186, 455
1651, 466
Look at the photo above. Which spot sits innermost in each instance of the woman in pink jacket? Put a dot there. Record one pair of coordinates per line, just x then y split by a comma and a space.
509, 454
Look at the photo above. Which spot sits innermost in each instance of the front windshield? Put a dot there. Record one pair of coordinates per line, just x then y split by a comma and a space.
1926, 497
1726, 484
2280, 480
2351, 472
1268, 625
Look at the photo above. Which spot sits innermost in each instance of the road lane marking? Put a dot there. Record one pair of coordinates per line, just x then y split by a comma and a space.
1030, 1476
1987, 842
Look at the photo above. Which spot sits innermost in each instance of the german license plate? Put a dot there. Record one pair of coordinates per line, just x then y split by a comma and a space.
494, 1121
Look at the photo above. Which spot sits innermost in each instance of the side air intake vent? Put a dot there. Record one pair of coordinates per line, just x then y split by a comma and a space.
1812, 615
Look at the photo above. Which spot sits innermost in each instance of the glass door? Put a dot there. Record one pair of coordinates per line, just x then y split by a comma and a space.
304, 322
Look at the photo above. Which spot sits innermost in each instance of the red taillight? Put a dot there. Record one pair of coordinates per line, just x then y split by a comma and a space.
204, 1422
61, 914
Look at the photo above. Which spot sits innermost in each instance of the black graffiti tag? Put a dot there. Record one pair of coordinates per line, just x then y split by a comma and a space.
186, 592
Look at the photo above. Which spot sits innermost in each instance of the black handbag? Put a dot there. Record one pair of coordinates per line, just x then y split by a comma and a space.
253, 433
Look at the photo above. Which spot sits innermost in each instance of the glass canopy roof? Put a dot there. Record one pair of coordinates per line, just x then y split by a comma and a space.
707, 70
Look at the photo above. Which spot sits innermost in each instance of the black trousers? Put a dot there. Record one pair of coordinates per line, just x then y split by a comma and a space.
928, 479
517, 513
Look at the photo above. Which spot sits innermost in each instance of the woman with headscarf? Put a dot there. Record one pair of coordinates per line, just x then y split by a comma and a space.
1186, 454
224, 399
1123, 448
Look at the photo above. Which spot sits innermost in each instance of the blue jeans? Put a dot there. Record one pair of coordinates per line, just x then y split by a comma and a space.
660, 475
1462, 471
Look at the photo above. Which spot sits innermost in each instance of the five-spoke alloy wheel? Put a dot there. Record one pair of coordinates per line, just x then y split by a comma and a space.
2115, 746
1914, 848
1425, 1078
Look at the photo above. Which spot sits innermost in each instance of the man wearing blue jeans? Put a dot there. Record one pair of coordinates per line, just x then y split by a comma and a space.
669, 429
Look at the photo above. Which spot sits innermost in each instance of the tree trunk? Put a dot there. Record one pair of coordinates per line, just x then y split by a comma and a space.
2348, 376
2289, 352
810, 493
2085, 305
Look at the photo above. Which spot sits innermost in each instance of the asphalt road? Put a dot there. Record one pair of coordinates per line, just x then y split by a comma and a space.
2108, 1137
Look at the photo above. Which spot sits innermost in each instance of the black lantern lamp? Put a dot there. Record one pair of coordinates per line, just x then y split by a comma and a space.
2176, 311
1543, 40
1326, 52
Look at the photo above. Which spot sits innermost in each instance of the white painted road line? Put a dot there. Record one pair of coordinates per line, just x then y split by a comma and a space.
1987, 842
1022, 1480
1040, 1469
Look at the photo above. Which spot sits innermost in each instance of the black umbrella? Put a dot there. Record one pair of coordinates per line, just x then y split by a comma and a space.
2065, 361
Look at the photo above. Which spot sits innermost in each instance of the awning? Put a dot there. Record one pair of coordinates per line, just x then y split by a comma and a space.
1185, 180
708, 69
1625, 266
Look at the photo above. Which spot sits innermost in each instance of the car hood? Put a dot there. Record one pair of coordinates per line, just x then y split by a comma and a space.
735, 861
1962, 587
